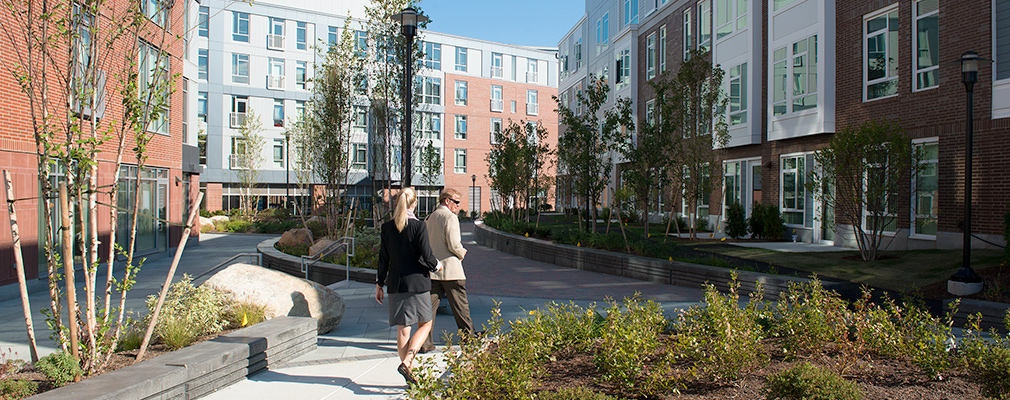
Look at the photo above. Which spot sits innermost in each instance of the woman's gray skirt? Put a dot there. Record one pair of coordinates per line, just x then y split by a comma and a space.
409, 308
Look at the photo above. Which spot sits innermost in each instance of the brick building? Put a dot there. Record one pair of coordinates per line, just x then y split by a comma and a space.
797, 71
168, 176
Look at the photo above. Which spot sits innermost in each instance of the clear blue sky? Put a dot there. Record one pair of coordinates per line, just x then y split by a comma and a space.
521, 22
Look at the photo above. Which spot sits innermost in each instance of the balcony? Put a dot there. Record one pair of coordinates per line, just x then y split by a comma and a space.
532, 109
275, 42
497, 105
235, 162
496, 72
531, 76
236, 119
275, 82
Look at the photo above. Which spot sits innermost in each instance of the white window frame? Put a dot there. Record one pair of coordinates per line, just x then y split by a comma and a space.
275, 35
688, 34
332, 35
496, 65
888, 212
650, 56
278, 113
278, 156
497, 102
203, 64
461, 54
429, 125
650, 111
662, 48
735, 17
914, 209
630, 13
240, 20
433, 55
359, 156
460, 124
739, 80
301, 75
887, 51
800, 191
461, 93
790, 57
203, 22
459, 161
623, 69
301, 35
237, 61
602, 33
916, 71
532, 105
705, 24
496, 126
531, 70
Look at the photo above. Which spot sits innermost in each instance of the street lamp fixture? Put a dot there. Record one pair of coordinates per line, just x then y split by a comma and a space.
473, 192
408, 19
965, 281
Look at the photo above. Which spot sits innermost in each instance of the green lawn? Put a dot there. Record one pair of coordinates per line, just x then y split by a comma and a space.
910, 269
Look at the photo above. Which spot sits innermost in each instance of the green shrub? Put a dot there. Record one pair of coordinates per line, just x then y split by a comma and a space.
17, 388
296, 250
756, 223
766, 222
242, 314
204, 213
988, 359
61, 368
366, 248
809, 382
280, 226
927, 340
239, 225
628, 340
236, 212
565, 328
318, 228
720, 338
577, 393
701, 224
736, 221
131, 338
808, 316
188, 313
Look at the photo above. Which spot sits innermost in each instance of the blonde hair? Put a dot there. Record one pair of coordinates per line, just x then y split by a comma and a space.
404, 201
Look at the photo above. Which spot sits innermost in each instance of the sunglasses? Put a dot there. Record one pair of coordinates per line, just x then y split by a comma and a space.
454, 201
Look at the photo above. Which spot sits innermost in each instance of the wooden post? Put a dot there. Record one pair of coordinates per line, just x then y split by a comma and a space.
193, 211
68, 267
20, 265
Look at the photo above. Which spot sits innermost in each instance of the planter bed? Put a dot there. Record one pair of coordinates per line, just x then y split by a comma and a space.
323, 273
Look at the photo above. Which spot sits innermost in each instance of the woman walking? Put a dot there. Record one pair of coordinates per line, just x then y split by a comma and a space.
405, 261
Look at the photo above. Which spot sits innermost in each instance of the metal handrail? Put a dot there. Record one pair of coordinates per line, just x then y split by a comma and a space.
346, 241
259, 262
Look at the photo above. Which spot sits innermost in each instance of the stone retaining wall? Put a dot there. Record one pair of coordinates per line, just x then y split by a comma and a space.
200, 369
322, 273
636, 267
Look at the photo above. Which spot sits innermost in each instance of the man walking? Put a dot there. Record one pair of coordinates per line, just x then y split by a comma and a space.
450, 282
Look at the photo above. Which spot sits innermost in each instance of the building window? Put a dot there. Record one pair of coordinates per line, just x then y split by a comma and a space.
578, 54
360, 120
430, 125
154, 75
495, 129
801, 89
730, 16
793, 192
429, 90
361, 43
927, 189
531, 70
650, 112
460, 161
433, 55
275, 39
301, 36
497, 103
300, 109
623, 68
239, 105
602, 33
460, 127
532, 106
732, 172
202, 60
738, 94
240, 68
275, 79
278, 112
880, 37
496, 65
203, 22
650, 56
662, 48
360, 156
630, 12
781, 3
300, 71
157, 11
926, 28
460, 93
201, 144
279, 153
461, 59
331, 35
704, 24
1002, 40
201, 107
688, 35
240, 27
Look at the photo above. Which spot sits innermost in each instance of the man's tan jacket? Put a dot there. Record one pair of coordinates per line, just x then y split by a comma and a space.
443, 237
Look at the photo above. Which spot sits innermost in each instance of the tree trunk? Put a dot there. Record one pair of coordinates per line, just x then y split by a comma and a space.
20, 267
68, 268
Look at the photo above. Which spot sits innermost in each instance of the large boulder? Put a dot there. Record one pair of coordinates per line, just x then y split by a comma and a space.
219, 218
206, 225
296, 237
321, 245
281, 294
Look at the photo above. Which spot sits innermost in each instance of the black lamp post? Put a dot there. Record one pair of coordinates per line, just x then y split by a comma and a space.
408, 20
287, 171
965, 281
473, 192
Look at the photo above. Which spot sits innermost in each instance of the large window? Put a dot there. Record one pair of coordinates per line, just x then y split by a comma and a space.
461, 59
459, 166
793, 192
278, 153
300, 74
880, 209
152, 234
240, 27
704, 24
240, 68
157, 11
433, 55
662, 48
278, 112
496, 65
730, 16
578, 54
430, 125
460, 127
531, 70
496, 127
360, 156
738, 94
331, 35
630, 12
203, 21
360, 124
202, 61
1002, 39
201, 107
532, 105
880, 74
301, 36
926, 28
799, 62
275, 40
623, 68
602, 33
429, 90
497, 103
688, 35
153, 77
650, 56
460, 93
927, 189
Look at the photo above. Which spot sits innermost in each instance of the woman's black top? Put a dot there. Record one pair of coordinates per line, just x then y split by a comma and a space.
405, 258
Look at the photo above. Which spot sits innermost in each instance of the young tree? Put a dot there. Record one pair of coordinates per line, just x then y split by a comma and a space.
869, 168
248, 153
516, 162
646, 172
431, 164
585, 150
